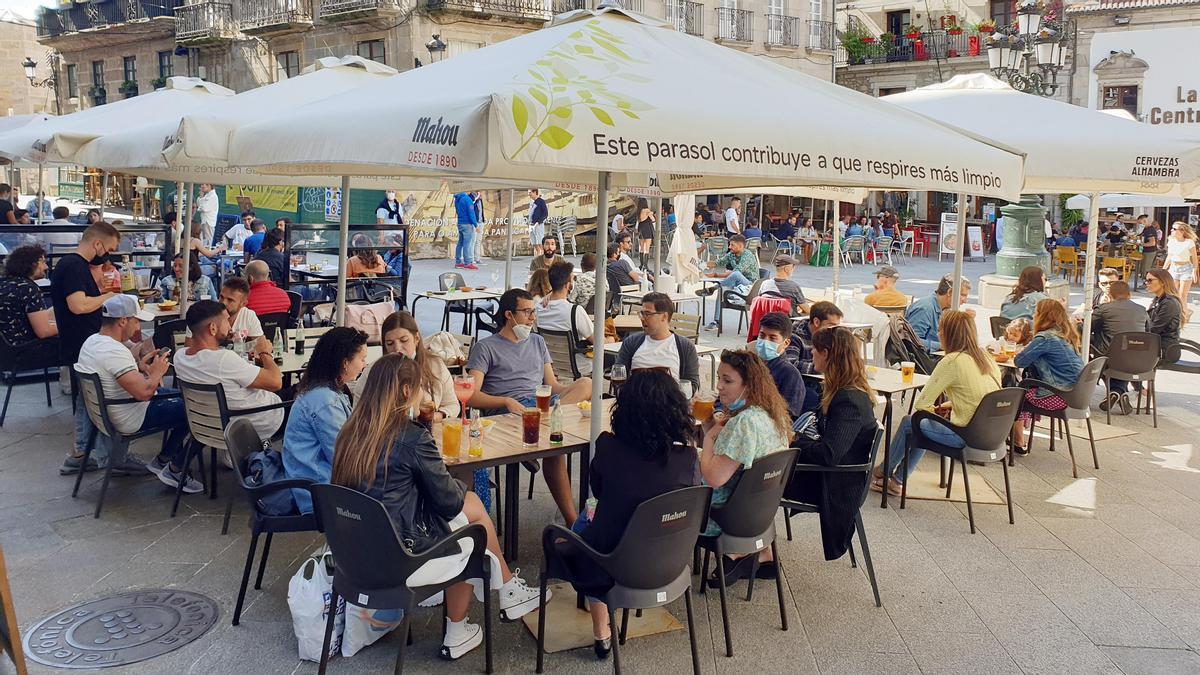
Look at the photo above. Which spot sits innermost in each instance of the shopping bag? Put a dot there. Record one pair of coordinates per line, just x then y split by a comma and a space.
364, 626
309, 592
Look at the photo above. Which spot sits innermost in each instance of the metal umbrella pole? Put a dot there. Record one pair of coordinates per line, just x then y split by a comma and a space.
103, 191
958, 250
343, 235
185, 236
41, 191
1089, 273
508, 242
837, 254
598, 330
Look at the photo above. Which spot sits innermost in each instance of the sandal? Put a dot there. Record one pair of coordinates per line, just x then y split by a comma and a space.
894, 486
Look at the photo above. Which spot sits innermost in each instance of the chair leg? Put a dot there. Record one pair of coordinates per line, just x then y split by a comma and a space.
1152, 400
624, 625
941, 471
487, 617
779, 584
753, 576
1108, 398
329, 621
862, 539
903, 486
237, 610
787, 523
721, 586
616, 644
228, 513
12, 380
1051, 428
541, 631
405, 629
950, 478
853, 559
1071, 451
967, 488
212, 477
87, 453
1092, 440
687, 601
45, 379
262, 564
113, 454
1008, 495
499, 512
704, 572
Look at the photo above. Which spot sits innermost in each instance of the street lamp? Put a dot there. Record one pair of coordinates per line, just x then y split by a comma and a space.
30, 67
436, 48
1029, 53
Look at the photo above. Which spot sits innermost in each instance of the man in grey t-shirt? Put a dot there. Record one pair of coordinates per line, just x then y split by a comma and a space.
509, 366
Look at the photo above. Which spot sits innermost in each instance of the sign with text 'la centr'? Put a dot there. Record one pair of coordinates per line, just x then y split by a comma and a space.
1168, 90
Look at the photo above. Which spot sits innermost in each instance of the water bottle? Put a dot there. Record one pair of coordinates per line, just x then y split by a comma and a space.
239, 346
277, 345
476, 446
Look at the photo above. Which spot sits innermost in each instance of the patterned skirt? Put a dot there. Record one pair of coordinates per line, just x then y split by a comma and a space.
1049, 403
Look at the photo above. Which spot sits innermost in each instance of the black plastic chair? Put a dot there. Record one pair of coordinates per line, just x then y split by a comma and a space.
650, 567
376, 576
738, 302
446, 281
33, 355
563, 353
1173, 355
165, 333
271, 323
792, 507
1133, 357
747, 523
485, 320
1079, 407
242, 441
998, 324
96, 404
295, 307
986, 437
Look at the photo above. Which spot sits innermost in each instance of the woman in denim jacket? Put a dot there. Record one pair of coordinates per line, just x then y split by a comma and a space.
1052, 356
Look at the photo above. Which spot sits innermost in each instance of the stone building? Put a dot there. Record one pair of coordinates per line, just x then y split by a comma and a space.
18, 40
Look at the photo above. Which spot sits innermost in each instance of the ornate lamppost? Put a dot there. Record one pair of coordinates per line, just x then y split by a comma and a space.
1029, 54
30, 67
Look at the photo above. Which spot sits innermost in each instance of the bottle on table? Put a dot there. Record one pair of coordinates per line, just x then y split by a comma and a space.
476, 447
300, 338
277, 345
556, 426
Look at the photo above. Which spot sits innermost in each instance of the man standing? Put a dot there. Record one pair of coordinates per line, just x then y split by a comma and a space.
264, 297
124, 377
885, 294
549, 255
207, 206
733, 219
783, 286
8, 213
509, 366
538, 213
480, 222
468, 221
657, 347
77, 301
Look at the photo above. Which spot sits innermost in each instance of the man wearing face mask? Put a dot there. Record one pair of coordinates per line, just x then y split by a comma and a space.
509, 366
390, 212
774, 337
77, 303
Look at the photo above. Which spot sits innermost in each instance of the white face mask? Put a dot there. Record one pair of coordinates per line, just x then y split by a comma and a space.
391, 196
522, 331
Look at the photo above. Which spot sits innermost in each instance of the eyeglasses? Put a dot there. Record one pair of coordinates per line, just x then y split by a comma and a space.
646, 315
526, 312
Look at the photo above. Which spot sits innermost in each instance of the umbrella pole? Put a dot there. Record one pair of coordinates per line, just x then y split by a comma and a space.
37, 198
1089, 272
343, 234
958, 250
512, 194
103, 192
656, 247
598, 308
184, 293
837, 254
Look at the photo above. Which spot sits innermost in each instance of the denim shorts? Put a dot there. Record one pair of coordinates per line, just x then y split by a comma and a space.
1183, 272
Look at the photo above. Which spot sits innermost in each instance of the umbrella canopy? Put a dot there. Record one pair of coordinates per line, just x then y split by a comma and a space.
17, 121
57, 139
1068, 148
608, 90
1122, 200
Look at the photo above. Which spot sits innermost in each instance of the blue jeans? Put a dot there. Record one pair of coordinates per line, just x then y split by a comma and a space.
932, 430
168, 415
463, 249
735, 279
84, 429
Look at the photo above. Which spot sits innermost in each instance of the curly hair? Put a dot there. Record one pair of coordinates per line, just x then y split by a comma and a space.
669, 429
23, 261
332, 352
760, 387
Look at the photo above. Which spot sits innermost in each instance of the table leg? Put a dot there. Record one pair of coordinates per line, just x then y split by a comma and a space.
887, 446
512, 484
585, 463
467, 318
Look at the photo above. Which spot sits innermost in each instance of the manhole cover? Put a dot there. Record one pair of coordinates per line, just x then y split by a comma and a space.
120, 629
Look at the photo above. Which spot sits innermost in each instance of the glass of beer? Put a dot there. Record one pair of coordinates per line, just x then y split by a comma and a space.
451, 438
531, 424
543, 398
702, 406
907, 368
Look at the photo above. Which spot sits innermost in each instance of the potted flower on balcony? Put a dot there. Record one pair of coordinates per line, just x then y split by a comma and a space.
954, 30
986, 27
158, 82
129, 88
912, 31
868, 40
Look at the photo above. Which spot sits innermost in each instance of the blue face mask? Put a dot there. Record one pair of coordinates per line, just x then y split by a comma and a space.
766, 349
737, 405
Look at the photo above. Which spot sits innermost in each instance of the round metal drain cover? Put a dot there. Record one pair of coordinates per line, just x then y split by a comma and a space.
120, 629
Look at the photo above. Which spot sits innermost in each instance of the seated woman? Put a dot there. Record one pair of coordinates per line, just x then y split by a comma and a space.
644, 456
847, 427
1052, 356
388, 456
322, 406
755, 423
365, 262
1166, 316
539, 284
199, 286
965, 375
1029, 290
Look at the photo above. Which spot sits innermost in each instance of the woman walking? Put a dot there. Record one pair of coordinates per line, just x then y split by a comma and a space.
1182, 262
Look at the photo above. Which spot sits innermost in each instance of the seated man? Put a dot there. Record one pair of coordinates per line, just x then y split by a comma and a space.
583, 285
254, 242
657, 347
885, 294
123, 377
555, 312
548, 257
738, 268
509, 366
24, 316
774, 337
783, 286
620, 272
925, 314
206, 361
277, 261
264, 297
799, 352
234, 293
1119, 315
1104, 279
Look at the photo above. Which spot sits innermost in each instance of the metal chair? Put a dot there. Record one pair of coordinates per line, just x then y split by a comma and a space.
792, 507
96, 403
1079, 407
882, 248
41, 354
738, 302
851, 245
715, 247
1133, 357
243, 441
986, 437
747, 523
446, 281
376, 576
565, 232
650, 567
208, 415
170, 334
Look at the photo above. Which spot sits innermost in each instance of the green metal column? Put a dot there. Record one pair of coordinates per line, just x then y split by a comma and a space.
1024, 238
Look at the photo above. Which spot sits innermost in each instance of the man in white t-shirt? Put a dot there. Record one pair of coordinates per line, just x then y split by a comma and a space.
207, 206
123, 378
242, 320
658, 347
733, 217
247, 385
557, 313
238, 234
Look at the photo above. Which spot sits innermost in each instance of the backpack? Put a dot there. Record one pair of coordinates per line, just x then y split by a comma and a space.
903, 345
264, 467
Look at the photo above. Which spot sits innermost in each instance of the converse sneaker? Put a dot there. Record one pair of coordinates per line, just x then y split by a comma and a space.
460, 638
190, 485
517, 599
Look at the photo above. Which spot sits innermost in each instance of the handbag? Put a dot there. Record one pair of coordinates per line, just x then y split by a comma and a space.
369, 318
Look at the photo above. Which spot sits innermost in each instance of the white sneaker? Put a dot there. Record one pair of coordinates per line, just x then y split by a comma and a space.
432, 601
460, 639
517, 599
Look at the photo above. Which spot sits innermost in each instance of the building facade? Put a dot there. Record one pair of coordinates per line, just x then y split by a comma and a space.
18, 41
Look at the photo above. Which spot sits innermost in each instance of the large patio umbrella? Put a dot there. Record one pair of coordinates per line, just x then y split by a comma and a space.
611, 95
1120, 200
1067, 148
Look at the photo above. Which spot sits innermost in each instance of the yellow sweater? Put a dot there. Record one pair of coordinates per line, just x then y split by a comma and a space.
957, 376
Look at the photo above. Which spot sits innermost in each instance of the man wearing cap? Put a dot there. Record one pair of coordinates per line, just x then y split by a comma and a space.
123, 377
885, 294
783, 286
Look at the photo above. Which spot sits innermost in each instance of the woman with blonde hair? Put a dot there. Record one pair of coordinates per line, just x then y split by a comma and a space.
383, 453
846, 426
1052, 356
964, 376
1182, 262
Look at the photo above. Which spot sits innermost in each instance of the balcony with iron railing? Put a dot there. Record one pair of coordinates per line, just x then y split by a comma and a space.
358, 10
925, 46
686, 16
204, 23
95, 16
783, 31
259, 17
519, 10
822, 36
560, 6
735, 25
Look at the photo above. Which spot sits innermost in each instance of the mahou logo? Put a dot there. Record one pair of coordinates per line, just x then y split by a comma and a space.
436, 133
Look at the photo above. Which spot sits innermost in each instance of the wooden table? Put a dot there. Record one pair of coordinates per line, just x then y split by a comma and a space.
295, 363
161, 314
468, 297
626, 323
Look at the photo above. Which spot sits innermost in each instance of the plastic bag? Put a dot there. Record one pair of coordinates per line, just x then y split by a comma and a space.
365, 626
309, 592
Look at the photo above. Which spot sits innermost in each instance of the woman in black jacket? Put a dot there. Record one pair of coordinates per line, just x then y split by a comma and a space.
847, 426
383, 453
647, 454
1166, 312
